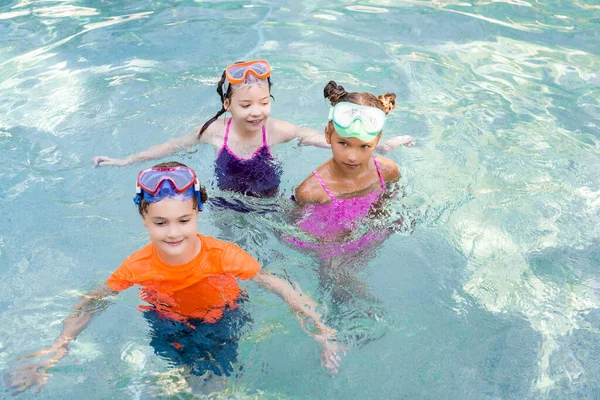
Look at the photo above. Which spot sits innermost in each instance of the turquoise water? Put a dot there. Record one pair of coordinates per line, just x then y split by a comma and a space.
495, 293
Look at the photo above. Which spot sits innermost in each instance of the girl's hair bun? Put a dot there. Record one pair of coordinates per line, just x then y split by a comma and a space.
388, 101
334, 92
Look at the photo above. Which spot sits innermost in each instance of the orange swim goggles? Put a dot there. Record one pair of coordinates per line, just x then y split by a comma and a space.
237, 73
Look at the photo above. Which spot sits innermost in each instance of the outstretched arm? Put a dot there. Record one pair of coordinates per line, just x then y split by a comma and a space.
35, 374
391, 144
287, 132
310, 137
303, 304
155, 152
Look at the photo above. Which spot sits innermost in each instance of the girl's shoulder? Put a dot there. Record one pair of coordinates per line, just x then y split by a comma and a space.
215, 133
311, 190
389, 169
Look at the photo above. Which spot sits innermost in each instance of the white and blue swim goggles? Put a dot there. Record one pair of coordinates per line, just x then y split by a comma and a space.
353, 120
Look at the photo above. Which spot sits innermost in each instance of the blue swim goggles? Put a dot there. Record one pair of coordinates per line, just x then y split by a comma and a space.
157, 183
353, 120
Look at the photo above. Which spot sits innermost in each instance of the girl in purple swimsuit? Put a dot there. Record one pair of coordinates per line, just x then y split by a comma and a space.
340, 199
243, 141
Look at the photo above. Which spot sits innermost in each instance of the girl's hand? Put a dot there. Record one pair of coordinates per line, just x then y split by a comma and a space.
391, 144
103, 161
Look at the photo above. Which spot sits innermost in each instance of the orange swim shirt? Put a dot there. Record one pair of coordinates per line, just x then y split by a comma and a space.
202, 288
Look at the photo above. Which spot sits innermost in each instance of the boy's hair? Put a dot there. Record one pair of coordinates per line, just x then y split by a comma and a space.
249, 80
143, 205
337, 94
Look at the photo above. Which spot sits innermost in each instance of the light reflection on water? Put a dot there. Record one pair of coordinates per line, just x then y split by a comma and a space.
495, 293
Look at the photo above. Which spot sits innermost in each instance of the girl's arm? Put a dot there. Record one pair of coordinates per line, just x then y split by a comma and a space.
153, 153
303, 304
309, 137
36, 374
286, 132
391, 144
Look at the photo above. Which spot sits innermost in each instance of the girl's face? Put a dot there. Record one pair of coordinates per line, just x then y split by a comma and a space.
172, 226
250, 106
351, 154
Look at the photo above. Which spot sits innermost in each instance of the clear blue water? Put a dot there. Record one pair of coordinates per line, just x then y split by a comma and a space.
493, 295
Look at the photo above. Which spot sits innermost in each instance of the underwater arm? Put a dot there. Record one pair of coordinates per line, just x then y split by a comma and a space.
35, 374
155, 152
301, 303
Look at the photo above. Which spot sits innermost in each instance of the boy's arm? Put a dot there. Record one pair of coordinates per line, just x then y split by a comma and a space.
35, 374
302, 304
155, 152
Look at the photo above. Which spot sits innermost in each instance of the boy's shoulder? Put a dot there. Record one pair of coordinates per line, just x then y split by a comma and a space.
142, 255
212, 243
219, 247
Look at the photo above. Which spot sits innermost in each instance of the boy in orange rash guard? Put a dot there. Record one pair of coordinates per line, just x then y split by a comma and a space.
174, 292
189, 283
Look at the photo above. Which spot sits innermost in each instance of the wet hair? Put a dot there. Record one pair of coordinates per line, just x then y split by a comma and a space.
337, 94
250, 80
143, 204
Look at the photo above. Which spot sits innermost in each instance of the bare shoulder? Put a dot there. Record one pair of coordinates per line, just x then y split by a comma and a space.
389, 169
215, 132
311, 191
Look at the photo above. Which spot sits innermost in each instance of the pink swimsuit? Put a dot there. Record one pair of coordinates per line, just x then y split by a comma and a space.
330, 221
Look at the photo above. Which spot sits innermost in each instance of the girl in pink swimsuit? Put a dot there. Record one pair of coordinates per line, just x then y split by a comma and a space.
340, 199
341, 193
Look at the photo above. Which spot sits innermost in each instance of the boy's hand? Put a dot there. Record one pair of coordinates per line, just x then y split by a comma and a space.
103, 161
330, 357
27, 376
34, 375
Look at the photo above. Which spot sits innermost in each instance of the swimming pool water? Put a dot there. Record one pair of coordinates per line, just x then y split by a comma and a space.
493, 295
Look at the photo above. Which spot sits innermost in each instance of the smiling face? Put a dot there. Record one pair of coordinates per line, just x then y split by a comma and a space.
350, 154
172, 226
250, 106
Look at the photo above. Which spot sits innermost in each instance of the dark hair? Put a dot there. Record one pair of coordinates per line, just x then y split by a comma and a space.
143, 204
224, 96
337, 94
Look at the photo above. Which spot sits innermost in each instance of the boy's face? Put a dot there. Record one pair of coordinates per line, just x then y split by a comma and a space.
172, 225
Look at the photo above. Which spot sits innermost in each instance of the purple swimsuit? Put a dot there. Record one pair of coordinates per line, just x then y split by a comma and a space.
257, 176
329, 222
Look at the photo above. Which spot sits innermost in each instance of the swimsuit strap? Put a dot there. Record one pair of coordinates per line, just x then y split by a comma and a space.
381, 181
323, 184
264, 132
226, 132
